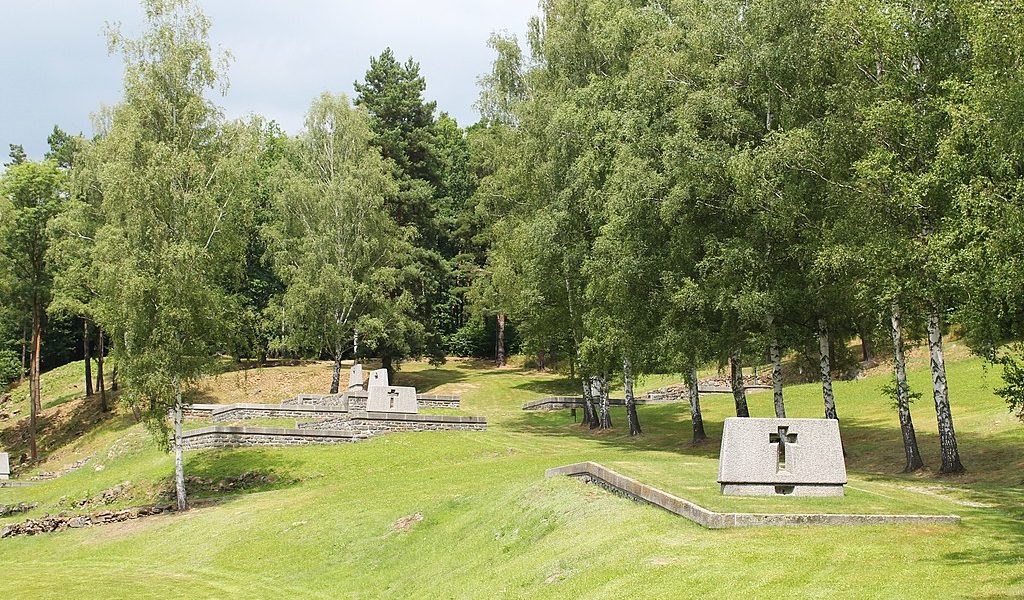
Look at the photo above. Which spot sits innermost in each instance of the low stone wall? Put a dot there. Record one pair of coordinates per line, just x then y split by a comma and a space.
372, 423
336, 400
220, 436
663, 396
356, 400
200, 411
562, 402
630, 488
238, 412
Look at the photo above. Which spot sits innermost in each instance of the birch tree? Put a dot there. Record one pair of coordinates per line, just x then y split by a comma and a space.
168, 241
334, 245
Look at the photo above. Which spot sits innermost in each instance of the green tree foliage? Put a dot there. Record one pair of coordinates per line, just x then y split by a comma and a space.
429, 159
760, 176
169, 242
30, 195
339, 253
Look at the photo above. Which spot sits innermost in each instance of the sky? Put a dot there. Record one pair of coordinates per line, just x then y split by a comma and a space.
55, 70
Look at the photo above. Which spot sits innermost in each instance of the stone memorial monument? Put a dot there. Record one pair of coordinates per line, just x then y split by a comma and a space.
378, 378
774, 457
355, 377
392, 399
5, 466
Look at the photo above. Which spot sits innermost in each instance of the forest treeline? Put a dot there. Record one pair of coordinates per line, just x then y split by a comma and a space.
653, 187
732, 181
171, 236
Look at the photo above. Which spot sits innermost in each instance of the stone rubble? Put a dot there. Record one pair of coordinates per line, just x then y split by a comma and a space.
104, 498
62, 521
48, 475
249, 479
14, 509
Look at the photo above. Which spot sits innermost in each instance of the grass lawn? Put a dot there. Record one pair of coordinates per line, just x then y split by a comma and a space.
470, 515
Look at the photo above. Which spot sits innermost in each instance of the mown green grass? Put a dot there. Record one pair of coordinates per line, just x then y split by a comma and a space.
493, 527
56, 387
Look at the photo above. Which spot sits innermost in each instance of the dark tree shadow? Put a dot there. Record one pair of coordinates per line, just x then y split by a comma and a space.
229, 472
872, 448
999, 530
427, 380
61, 426
666, 429
550, 387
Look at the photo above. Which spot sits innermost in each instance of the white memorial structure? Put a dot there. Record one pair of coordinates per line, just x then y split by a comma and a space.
355, 377
392, 399
776, 457
378, 378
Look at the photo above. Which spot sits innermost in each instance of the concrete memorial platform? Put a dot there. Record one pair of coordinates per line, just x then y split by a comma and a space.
355, 377
392, 399
5, 465
619, 484
776, 457
378, 377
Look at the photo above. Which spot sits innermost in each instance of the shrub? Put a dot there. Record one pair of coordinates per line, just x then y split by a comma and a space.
10, 366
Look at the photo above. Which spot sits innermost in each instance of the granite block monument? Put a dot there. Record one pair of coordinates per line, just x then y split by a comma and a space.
772, 457
5, 466
355, 377
392, 399
378, 378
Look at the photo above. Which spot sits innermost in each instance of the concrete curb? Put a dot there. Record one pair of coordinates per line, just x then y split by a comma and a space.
591, 472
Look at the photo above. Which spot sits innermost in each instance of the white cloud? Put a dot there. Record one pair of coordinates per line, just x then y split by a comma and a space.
54, 67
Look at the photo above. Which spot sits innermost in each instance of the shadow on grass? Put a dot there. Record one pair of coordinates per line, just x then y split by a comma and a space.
999, 531
216, 474
60, 426
872, 448
666, 428
429, 379
550, 387
233, 366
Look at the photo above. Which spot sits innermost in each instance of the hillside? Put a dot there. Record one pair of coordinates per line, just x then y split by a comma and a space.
468, 515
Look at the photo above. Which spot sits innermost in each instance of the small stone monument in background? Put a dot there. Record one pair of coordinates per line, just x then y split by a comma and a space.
355, 377
778, 457
378, 378
5, 466
392, 399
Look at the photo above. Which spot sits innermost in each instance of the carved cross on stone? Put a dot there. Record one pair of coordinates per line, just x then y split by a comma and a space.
782, 438
392, 396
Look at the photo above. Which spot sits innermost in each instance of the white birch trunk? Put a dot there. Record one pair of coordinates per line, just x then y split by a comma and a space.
826, 370
739, 393
336, 373
627, 383
914, 461
589, 411
780, 404
695, 415
500, 351
179, 463
606, 412
947, 436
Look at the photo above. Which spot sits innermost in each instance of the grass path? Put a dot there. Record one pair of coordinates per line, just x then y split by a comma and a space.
493, 527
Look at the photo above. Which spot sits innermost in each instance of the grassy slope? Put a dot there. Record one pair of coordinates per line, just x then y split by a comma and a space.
493, 527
